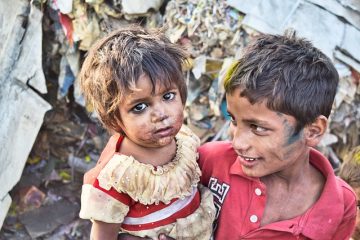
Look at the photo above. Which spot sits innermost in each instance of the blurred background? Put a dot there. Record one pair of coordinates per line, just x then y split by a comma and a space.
49, 137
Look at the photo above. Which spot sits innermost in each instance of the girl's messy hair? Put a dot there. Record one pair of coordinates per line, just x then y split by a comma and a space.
115, 63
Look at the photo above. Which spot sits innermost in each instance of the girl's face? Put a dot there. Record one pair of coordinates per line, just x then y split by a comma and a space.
151, 119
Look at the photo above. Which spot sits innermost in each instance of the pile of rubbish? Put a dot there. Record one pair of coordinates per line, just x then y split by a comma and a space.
214, 32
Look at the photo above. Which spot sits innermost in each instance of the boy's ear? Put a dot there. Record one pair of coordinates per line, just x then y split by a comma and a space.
315, 130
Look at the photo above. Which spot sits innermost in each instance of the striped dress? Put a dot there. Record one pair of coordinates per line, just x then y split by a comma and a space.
148, 200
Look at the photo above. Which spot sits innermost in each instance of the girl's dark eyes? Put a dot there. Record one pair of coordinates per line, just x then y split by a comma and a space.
139, 108
169, 96
142, 106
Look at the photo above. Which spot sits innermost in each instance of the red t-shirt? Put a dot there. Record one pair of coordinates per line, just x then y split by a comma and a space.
240, 201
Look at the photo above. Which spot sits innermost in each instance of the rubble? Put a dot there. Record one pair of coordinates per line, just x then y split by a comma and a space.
22, 109
45, 222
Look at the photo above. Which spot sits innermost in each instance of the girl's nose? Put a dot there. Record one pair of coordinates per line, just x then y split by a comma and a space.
158, 116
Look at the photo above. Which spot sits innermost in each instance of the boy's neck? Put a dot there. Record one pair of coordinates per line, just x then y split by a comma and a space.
154, 156
288, 197
300, 172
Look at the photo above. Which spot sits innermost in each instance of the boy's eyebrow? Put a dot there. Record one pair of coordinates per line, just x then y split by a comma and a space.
252, 120
259, 122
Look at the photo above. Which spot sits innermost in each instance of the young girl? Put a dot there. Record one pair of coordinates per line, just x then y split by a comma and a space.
134, 81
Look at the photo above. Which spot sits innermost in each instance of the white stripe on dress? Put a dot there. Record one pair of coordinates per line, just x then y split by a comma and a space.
163, 213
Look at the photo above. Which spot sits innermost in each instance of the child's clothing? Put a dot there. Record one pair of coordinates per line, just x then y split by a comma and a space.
150, 200
331, 217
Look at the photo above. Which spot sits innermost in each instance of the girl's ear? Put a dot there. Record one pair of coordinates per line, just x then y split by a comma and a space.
315, 131
120, 126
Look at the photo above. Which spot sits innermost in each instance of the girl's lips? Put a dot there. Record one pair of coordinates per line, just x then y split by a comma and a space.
164, 132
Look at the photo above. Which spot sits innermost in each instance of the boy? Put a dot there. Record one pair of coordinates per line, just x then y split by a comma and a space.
272, 183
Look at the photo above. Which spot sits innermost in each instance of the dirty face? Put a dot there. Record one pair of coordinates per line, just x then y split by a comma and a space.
265, 141
151, 119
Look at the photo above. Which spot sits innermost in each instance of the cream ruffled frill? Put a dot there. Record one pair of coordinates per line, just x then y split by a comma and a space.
145, 183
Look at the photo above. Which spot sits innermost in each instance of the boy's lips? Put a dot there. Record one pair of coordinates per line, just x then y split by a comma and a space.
248, 161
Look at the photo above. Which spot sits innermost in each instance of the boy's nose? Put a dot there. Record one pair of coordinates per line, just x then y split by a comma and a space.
240, 141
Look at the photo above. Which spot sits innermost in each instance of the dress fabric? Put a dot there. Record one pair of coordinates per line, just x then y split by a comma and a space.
150, 200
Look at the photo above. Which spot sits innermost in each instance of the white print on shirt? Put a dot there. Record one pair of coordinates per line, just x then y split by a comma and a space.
219, 191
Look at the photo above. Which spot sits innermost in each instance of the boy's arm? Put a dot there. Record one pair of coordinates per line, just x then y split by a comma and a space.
106, 155
104, 231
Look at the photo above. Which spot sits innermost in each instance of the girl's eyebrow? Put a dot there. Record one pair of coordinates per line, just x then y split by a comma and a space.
144, 99
136, 100
167, 89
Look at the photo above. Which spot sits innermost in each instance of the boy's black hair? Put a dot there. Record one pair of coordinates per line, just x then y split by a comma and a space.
289, 74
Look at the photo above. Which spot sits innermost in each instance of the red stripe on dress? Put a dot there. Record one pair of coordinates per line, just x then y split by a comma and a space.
121, 197
140, 210
118, 143
186, 211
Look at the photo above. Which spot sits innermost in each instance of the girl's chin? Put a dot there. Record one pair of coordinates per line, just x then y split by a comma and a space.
165, 141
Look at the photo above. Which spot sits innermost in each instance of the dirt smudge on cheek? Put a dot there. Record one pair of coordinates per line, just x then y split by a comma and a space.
272, 149
291, 136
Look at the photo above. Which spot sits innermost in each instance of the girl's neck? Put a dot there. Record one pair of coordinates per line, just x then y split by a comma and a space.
154, 156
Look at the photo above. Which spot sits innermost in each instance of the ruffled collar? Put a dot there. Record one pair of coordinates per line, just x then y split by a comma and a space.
148, 184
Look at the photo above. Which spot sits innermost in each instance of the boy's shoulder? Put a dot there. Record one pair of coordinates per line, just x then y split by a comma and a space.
215, 153
218, 147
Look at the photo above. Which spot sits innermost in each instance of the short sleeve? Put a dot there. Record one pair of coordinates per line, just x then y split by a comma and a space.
99, 204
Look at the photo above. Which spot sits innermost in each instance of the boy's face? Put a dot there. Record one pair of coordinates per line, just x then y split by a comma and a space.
264, 140
151, 120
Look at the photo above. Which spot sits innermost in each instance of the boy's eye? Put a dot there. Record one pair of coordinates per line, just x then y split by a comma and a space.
169, 96
258, 129
139, 107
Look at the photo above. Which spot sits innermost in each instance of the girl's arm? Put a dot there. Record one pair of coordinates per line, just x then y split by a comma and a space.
104, 231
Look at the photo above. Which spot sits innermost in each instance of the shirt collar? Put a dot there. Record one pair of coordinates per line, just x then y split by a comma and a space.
328, 210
